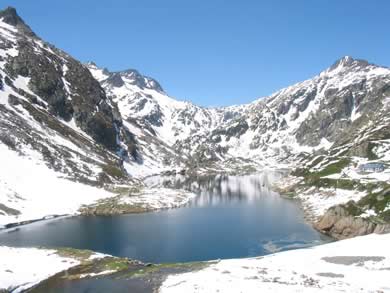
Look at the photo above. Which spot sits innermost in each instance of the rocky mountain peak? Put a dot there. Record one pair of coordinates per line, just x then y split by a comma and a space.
140, 80
11, 17
91, 64
115, 79
347, 62
119, 78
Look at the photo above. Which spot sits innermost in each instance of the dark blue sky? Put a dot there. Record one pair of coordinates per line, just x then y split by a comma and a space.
215, 52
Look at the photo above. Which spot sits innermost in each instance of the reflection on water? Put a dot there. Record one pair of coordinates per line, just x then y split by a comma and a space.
233, 216
219, 189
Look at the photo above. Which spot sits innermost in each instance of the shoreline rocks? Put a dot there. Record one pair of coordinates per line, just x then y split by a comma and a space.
339, 224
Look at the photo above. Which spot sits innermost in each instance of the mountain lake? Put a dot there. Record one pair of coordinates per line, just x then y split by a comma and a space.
231, 217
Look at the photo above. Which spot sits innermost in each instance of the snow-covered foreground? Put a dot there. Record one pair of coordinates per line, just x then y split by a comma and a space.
361, 264
22, 268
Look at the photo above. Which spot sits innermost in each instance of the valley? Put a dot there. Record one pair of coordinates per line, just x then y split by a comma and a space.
112, 156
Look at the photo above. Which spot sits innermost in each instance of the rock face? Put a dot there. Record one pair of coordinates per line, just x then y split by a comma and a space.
67, 87
338, 223
10, 16
51, 103
129, 76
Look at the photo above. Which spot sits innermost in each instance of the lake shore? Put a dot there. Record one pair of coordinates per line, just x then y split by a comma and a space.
347, 265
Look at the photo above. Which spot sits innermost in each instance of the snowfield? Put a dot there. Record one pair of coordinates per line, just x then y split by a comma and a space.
23, 268
361, 264
316, 201
35, 192
27, 185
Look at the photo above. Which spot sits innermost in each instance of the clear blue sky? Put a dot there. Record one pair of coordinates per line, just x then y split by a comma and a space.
215, 52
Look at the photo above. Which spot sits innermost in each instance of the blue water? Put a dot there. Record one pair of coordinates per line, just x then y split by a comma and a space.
232, 217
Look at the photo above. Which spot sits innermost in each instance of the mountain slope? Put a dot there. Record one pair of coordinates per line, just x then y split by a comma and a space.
317, 114
158, 120
308, 116
56, 123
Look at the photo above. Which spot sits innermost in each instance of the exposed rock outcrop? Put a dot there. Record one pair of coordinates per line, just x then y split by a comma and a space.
338, 223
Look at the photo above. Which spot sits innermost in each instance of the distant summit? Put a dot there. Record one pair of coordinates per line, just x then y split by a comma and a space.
11, 17
117, 78
347, 62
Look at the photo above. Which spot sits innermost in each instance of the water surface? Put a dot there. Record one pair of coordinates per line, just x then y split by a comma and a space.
232, 217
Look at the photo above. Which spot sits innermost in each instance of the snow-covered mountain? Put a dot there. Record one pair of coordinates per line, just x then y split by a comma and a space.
158, 121
307, 117
60, 135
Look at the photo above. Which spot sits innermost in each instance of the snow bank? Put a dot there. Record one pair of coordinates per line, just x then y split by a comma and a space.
22, 268
30, 187
159, 198
361, 264
316, 201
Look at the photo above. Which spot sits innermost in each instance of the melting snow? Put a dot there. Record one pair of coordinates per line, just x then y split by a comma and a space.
22, 268
160, 198
29, 186
361, 264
